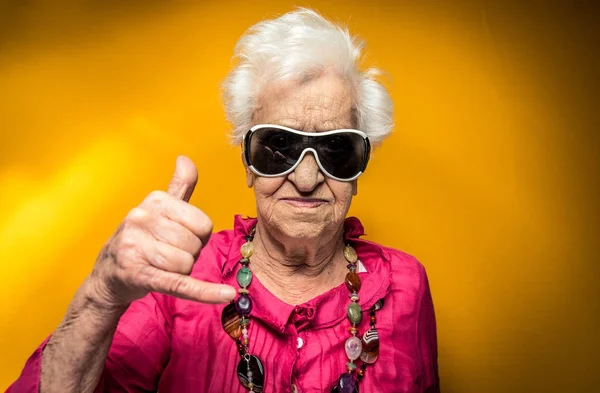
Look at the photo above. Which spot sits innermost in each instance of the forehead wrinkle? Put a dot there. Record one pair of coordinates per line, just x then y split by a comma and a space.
322, 113
316, 107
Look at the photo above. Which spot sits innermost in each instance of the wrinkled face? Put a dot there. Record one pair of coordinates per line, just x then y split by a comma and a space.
304, 204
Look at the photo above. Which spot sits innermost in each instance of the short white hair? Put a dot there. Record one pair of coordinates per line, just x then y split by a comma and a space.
302, 44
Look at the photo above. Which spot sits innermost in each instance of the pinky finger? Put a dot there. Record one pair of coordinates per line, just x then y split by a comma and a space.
186, 287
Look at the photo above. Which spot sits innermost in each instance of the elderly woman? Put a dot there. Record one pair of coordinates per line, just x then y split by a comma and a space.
292, 301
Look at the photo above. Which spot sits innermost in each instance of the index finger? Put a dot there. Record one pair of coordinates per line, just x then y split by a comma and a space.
180, 212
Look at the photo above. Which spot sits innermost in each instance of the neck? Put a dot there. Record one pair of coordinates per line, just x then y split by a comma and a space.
296, 271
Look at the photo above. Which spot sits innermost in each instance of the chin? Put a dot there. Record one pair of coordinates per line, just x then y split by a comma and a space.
302, 226
305, 231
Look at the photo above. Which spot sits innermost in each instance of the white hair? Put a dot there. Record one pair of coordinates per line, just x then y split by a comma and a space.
303, 44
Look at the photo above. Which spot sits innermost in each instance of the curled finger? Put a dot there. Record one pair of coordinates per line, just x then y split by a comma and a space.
169, 258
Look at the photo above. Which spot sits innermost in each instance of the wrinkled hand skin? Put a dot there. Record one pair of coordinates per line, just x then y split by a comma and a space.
152, 250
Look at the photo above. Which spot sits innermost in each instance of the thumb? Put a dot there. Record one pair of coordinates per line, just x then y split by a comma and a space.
184, 179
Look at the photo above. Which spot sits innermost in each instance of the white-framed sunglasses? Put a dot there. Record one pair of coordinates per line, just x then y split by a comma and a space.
272, 150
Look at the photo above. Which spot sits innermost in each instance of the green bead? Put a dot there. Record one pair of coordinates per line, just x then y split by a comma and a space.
354, 313
351, 366
244, 277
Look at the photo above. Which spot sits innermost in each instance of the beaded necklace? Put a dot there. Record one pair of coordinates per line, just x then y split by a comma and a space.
235, 319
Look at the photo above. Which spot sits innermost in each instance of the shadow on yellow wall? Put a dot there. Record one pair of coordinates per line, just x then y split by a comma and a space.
490, 177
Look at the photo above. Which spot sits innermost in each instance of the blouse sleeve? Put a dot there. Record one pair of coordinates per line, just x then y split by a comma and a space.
138, 354
426, 333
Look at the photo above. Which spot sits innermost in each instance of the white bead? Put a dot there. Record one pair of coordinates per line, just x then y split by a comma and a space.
353, 347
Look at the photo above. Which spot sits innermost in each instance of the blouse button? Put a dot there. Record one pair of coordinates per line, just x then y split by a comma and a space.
300, 342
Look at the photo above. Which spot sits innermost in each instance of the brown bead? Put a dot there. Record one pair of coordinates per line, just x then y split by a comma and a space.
370, 346
352, 281
353, 330
361, 371
246, 341
230, 319
373, 319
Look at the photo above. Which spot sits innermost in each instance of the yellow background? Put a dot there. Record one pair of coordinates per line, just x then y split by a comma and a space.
490, 178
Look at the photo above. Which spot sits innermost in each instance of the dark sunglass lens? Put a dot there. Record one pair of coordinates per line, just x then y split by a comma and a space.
273, 151
343, 155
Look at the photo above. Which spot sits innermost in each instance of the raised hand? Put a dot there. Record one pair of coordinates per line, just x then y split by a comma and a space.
155, 247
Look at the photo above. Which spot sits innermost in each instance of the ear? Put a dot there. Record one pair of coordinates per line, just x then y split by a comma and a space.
355, 187
249, 174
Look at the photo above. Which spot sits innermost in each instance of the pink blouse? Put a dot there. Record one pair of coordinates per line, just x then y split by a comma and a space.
171, 345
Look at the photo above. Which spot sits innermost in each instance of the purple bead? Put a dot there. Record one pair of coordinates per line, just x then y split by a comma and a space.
346, 384
243, 305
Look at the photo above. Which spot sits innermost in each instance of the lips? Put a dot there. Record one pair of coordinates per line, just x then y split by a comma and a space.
304, 202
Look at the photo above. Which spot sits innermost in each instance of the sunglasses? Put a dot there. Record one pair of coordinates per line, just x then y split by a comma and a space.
273, 150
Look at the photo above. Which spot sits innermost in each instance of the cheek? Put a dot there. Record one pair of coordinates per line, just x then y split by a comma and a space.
342, 191
265, 187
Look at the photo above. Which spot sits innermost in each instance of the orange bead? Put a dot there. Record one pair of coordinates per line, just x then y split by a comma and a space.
353, 282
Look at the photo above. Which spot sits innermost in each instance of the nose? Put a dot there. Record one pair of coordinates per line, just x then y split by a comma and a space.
307, 175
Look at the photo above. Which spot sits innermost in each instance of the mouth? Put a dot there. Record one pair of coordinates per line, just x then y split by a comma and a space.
304, 202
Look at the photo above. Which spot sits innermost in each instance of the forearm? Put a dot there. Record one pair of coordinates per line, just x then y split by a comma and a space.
73, 359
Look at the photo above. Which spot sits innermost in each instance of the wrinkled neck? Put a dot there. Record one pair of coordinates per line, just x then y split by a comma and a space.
297, 270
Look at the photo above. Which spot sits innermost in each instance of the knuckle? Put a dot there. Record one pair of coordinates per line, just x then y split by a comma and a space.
187, 263
156, 196
135, 215
128, 240
156, 199
199, 291
178, 285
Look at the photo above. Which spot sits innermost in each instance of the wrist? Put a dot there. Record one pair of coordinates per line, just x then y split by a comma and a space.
97, 297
